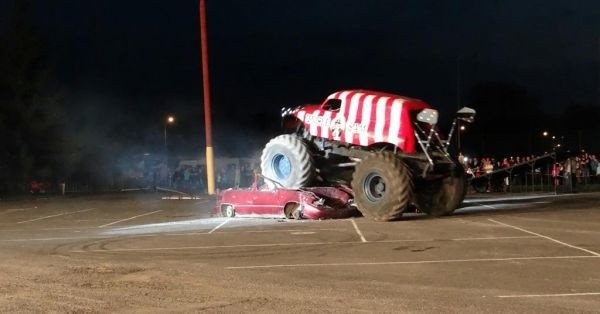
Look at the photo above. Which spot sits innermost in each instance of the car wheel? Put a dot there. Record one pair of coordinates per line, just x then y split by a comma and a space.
227, 211
292, 211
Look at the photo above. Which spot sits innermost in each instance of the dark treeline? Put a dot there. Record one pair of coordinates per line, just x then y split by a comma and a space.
30, 116
511, 121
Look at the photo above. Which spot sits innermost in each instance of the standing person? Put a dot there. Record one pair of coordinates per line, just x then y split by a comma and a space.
569, 174
585, 168
556, 174
578, 170
593, 168
186, 177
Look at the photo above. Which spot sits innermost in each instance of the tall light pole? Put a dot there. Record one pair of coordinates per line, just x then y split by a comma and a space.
458, 101
210, 168
462, 128
169, 120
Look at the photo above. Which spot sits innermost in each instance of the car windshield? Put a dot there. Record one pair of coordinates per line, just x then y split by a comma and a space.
264, 183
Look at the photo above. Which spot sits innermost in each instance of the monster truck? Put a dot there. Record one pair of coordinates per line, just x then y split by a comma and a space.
386, 146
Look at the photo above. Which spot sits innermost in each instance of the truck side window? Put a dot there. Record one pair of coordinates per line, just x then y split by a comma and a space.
332, 104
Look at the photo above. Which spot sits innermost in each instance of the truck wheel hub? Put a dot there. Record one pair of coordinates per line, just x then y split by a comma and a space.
281, 166
374, 186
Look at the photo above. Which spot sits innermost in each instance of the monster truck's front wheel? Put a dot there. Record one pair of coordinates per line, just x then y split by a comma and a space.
287, 160
441, 196
382, 186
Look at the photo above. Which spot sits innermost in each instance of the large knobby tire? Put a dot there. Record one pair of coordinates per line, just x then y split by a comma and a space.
441, 196
287, 160
382, 186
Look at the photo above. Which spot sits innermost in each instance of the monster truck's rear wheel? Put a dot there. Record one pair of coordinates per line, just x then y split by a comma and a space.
287, 160
441, 196
382, 186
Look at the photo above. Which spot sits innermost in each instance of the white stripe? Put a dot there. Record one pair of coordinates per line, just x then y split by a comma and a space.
36, 219
292, 244
395, 121
342, 97
548, 295
219, 226
366, 119
352, 113
547, 238
12, 210
362, 237
380, 119
55, 239
126, 219
411, 262
301, 115
313, 126
488, 206
325, 129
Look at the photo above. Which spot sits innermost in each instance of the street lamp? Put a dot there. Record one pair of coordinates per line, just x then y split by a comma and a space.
170, 120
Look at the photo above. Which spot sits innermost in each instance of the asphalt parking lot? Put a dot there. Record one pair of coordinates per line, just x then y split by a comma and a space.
138, 253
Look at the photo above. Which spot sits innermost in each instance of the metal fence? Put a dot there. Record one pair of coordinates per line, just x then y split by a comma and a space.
537, 181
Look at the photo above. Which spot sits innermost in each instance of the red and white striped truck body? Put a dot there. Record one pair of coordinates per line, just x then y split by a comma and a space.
364, 118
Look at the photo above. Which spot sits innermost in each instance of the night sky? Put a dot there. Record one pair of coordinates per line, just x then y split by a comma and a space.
123, 65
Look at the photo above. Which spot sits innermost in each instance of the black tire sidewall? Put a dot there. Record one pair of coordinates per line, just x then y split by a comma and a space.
398, 187
297, 152
441, 196
269, 172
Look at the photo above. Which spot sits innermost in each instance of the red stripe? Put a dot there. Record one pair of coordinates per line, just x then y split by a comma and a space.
356, 136
371, 128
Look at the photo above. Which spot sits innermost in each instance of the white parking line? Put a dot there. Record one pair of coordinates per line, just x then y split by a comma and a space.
12, 210
219, 226
126, 219
548, 295
494, 238
362, 237
546, 237
289, 244
412, 262
55, 238
61, 214
488, 206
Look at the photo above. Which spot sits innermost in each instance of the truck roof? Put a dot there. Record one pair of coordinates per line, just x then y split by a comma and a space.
408, 102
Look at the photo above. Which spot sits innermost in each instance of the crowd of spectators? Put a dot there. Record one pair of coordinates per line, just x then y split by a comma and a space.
188, 178
577, 170
192, 178
478, 166
581, 169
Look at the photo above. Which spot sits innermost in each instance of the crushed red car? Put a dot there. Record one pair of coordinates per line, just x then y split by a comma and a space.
272, 200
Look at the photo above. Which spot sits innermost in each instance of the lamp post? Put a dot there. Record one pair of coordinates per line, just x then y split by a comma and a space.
545, 135
462, 128
169, 120
210, 168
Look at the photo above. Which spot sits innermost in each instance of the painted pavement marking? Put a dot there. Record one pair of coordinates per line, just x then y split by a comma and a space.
51, 216
411, 262
546, 237
130, 218
362, 237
